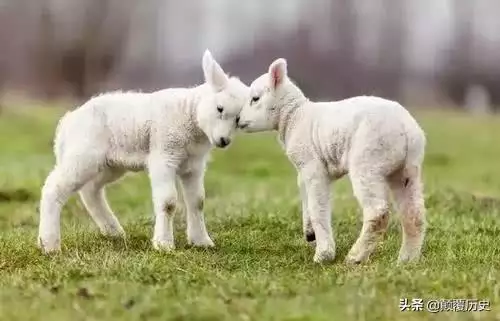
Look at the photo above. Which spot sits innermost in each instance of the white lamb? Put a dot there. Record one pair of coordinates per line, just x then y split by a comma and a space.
375, 141
168, 133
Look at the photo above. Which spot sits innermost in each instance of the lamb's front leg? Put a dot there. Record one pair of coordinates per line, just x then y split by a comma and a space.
306, 219
164, 193
317, 187
194, 198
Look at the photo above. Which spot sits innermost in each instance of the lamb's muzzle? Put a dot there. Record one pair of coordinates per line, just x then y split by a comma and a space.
243, 125
223, 142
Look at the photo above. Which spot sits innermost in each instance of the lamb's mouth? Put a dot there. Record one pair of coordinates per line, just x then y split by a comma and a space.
244, 126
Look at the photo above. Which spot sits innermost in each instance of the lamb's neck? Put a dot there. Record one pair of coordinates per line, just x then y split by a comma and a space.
193, 102
288, 114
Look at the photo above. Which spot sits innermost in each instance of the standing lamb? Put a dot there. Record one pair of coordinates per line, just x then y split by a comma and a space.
376, 142
168, 133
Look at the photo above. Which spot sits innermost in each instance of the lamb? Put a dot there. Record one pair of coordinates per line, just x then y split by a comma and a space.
167, 133
376, 142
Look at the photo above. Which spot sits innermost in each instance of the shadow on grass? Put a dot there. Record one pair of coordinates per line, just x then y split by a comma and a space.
17, 195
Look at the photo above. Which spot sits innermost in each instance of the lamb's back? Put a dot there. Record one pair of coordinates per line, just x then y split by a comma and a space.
345, 116
334, 130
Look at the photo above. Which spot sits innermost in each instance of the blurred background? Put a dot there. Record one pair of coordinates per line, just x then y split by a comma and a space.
424, 53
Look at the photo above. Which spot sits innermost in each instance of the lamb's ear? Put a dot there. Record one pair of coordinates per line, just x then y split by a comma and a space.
213, 72
277, 72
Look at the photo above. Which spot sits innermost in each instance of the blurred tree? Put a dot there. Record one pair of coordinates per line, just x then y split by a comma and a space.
46, 55
458, 70
346, 69
4, 37
464, 69
86, 61
391, 56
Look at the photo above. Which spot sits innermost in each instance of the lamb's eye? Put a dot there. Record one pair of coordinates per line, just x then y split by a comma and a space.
255, 99
220, 109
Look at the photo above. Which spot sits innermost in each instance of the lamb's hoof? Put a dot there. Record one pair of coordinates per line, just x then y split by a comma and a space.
352, 261
310, 237
114, 232
356, 258
323, 256
49, 246
408, 257
204, 243
163, 245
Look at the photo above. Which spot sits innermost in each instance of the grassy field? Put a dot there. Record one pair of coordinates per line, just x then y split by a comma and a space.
261, 268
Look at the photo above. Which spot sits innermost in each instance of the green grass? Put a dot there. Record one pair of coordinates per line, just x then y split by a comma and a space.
261, 268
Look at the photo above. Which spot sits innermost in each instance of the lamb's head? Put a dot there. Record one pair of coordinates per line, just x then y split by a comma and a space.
267, 98
219, 109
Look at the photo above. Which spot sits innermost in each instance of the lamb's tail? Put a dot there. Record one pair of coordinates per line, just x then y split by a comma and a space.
59, 138
415, 149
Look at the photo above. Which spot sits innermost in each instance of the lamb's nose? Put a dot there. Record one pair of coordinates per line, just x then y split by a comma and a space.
223, 142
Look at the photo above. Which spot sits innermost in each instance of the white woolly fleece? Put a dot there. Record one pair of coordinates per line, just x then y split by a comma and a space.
168, 133
373, 140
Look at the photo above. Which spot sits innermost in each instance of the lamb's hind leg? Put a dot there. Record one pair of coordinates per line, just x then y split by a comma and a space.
61, 183
406, 186
371, 190
93, 196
